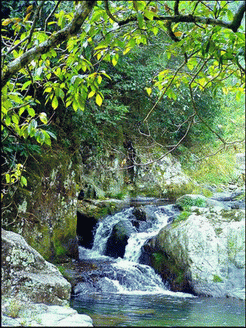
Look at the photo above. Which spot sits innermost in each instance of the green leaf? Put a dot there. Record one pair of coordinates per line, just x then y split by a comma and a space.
31, 111
54, 103
99, 99
52, 134
49, 89
115, 59
126, 50
43, 118
25, 85
75, 105
46, 137
15, 119
8, 120
140, 19
23, 181
91, 94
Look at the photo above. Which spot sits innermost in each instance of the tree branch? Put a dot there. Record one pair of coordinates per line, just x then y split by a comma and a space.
109, 13
82, 12
34, 24
53, 11
238, 17
234, 25
176, 8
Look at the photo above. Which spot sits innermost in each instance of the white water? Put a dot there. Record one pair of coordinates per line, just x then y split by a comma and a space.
137, 240
131, 277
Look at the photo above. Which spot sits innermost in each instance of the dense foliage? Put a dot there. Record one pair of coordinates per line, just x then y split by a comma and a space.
84, 72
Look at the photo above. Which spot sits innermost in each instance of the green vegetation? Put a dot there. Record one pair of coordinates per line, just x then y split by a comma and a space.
14, 308
187, 201
169, 270
216, 278
182, 217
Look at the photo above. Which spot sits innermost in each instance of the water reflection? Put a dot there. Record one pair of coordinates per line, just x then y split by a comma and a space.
160, 310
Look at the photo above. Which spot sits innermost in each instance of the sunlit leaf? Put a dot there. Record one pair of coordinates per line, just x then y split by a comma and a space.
178, 34
149, 90
54, 102
98, 99
6, 22
91, 94
43, 117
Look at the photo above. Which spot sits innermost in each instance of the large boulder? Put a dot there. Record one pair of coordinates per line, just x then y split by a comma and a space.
27, 276
202, 251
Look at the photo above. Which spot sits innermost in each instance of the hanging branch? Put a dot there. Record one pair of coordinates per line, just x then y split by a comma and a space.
33, 24
82, 11
51, 14
109, 13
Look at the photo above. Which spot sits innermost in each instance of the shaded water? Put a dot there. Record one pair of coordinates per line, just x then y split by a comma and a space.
125, 292
160, 310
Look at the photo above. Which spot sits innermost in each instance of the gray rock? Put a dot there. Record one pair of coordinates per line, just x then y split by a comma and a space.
47, 315
208, 248
26, 275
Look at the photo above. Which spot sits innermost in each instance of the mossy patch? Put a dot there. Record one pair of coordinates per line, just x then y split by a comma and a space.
170, 271
217, 278
183, 216
232, 215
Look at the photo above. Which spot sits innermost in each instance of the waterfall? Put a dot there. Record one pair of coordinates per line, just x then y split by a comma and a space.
125, 274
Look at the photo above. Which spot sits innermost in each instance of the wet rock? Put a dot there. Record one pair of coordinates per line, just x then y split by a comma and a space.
117, 241
139, 214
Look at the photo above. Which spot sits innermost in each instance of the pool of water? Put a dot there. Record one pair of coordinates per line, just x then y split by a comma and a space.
121, 310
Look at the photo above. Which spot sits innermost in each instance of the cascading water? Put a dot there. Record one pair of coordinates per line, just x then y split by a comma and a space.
116, 290
125, 274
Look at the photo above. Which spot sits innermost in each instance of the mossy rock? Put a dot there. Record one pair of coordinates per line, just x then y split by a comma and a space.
170, 271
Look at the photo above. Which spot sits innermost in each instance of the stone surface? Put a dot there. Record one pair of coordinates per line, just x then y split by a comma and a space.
204, 252
31, 314
27, 276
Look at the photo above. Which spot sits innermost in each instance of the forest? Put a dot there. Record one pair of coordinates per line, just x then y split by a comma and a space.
123, 162
81, 75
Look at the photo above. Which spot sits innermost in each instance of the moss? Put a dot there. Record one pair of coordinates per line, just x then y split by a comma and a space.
216, 278
181, 217
175, 191
39, 239
240, 197
170, 271
62, 236
232, 215
218, 231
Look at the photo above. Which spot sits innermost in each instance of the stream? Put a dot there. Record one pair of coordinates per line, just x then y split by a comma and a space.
123, 291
